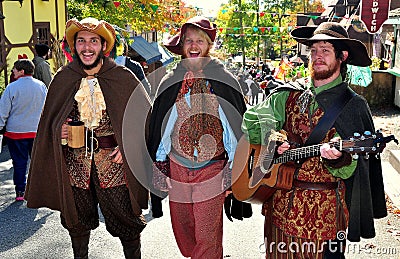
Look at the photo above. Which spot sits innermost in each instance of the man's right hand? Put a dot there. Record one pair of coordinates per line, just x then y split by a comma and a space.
64, 129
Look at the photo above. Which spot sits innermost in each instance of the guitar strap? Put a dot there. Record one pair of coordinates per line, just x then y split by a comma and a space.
329, 118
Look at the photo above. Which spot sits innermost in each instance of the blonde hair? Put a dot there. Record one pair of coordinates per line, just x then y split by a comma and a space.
200, 31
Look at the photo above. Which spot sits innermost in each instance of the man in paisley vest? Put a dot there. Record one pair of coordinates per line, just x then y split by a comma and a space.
334, 195
193, 133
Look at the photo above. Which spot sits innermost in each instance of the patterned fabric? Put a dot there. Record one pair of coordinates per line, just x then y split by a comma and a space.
115, 206
197, 215
198, 126
79, 162
161, 171
307, 213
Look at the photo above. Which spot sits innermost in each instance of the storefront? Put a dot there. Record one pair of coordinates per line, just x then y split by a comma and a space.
395, 55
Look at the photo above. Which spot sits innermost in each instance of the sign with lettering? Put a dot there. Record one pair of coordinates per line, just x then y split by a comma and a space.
374, 13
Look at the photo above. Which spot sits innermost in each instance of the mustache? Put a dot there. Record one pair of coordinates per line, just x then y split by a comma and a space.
319, 62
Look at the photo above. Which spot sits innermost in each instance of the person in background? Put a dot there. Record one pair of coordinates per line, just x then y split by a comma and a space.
42, 67
201, 104
119, 52
12, 77
255, 90
332, 191
243, 86
20, 107
91, 171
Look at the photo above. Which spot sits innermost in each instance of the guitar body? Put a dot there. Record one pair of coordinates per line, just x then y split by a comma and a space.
246, 167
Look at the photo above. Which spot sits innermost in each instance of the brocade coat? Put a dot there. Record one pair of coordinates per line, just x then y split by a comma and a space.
365, 195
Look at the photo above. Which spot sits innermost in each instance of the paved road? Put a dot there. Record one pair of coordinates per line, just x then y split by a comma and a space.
29, 233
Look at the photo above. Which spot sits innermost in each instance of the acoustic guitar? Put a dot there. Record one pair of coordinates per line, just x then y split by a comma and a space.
258, 171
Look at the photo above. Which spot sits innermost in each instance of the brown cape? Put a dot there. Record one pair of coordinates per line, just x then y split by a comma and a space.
48, 183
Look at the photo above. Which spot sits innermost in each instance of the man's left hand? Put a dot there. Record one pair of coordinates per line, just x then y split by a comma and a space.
117, 156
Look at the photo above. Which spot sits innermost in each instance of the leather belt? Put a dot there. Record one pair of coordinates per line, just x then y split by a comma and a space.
103, 142
315, 186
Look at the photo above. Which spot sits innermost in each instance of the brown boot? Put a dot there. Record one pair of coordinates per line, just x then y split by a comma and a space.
131, 248
80, 244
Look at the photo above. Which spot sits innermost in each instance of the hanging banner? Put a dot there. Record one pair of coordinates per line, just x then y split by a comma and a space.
374, 13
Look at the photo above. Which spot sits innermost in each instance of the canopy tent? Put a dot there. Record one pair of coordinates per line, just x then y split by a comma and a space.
166, 56
145, 49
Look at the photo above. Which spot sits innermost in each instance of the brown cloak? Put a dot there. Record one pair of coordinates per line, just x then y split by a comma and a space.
48, 183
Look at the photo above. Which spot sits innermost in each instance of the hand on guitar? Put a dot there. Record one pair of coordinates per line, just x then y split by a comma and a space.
328, 151
283, 147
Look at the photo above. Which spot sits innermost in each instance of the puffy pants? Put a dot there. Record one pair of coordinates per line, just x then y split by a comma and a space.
116, 208
196, 207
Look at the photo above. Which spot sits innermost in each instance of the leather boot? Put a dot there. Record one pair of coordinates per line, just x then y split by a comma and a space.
80, 244
131, 248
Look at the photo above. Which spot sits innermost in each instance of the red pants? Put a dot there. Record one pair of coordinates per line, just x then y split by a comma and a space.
196, 203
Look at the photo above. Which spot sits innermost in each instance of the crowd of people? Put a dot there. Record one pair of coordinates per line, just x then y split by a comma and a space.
187, 142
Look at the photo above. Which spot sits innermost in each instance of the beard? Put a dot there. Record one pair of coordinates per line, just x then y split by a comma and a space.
325, 74
93, 65
196, 63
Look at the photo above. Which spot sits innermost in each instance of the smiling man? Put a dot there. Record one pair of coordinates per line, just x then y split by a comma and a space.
332, 191
202, 106
91, 91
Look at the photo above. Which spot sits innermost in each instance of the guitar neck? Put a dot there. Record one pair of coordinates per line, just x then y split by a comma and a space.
368, 144
301, 153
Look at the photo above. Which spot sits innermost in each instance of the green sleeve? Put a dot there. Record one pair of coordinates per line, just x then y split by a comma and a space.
260, 119
345, 171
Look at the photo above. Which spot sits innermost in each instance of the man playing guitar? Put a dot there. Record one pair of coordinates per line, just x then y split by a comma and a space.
332, 191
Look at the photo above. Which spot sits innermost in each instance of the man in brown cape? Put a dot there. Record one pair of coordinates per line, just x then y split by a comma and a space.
94, 91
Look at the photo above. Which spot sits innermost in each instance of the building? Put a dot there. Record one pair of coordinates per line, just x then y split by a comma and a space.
26, 23
393, 46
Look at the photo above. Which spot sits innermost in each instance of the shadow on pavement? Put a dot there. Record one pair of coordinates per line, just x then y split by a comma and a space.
17, 224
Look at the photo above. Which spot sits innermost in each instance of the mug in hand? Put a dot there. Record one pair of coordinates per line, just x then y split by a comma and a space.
76, 134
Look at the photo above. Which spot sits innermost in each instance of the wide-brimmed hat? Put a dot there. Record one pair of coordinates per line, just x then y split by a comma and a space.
102, 28
334, 32
173, 44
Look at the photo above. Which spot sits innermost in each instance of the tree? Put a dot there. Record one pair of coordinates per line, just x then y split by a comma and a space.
270, 22
139, 16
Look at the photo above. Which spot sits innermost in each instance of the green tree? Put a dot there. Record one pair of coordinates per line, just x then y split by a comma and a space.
139, 16
269, 21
